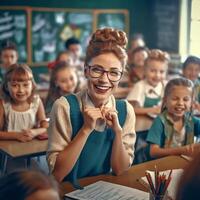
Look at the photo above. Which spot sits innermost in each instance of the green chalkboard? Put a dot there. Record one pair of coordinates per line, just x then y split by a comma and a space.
165, 25
50, 30
13, 27
118, 20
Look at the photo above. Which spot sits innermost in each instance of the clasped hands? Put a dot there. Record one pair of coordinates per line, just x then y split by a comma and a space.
109, 115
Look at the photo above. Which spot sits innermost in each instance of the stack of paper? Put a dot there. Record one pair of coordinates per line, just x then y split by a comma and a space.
102, 190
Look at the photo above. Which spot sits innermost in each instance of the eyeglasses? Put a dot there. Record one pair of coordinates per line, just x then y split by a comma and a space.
97, 71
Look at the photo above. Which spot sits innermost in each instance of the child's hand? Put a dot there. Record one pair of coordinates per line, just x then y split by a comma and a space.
156, 110
23, 137
196, 106
192, 149
111, 118
90, 116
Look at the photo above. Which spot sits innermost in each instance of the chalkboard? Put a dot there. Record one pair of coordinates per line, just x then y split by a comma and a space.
13, 27
116, 20
50, 30
165, 24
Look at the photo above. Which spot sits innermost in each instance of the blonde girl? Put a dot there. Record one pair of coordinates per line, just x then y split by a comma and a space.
173, 131
22, 115
147, 93
63, 81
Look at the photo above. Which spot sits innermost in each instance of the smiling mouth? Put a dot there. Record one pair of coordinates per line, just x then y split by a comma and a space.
101, 88
179, 109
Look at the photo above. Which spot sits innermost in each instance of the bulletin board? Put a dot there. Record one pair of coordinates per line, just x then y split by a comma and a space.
14, 27
118, 19
40, 33
51, 28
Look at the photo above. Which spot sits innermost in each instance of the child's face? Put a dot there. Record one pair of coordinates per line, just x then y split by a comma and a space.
139, 58
49, 194
155, 72
76, 50
20, 91
179, 101
66, 58
191, 71
67, 80
100, 87
8, 57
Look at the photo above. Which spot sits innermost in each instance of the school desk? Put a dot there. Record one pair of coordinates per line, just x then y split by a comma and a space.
27, 150
129, 178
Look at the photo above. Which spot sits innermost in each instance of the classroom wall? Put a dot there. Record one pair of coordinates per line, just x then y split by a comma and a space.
138, 9
138, 12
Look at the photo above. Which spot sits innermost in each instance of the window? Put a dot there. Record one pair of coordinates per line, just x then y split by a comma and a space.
194, 45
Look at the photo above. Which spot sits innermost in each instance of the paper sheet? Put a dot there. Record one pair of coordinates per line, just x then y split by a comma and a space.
102, 190
172, 188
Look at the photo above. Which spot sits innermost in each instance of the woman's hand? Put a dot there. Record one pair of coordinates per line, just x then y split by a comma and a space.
90, 116
110, 116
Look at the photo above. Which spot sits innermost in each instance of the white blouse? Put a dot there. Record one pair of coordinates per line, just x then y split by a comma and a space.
17, 120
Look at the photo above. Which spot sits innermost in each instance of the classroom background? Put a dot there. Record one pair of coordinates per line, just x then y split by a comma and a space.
171, 26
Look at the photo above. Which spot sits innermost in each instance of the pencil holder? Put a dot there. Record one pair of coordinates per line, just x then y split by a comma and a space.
158, 196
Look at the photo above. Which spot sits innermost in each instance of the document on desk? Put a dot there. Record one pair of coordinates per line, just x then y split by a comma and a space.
102, 190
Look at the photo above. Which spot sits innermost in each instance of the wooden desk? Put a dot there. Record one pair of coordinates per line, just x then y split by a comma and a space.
130, 177
15, 149
143, 123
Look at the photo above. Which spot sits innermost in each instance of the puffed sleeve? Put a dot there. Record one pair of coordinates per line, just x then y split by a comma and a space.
59, 130
137, 93
156, 133
129, 135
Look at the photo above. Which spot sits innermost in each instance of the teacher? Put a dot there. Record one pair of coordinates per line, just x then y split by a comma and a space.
90, 132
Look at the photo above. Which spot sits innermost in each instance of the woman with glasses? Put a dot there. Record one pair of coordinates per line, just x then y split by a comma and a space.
90, 132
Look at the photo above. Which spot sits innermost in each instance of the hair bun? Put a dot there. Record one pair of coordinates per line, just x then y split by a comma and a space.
117, 37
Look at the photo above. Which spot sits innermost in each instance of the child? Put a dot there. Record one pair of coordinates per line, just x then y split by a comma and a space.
22, 115
173, 131
63, 56
28, 185
63, 81
191, 70
147, 93
136, 64
9, 56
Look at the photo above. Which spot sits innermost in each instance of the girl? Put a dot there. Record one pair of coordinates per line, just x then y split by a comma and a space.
90, 132
8, 57
136, 64
63, 81
28, 185
63, 56
22, 115
173, 131
146, 94
191, 70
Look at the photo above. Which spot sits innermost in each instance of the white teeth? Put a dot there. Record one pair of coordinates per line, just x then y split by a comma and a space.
102, 87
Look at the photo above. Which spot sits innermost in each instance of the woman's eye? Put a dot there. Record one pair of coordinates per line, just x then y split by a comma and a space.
97, 70
114, 73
